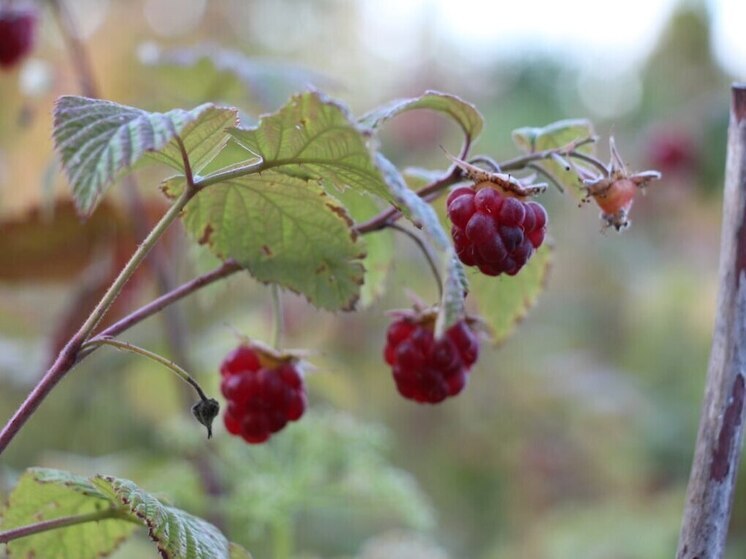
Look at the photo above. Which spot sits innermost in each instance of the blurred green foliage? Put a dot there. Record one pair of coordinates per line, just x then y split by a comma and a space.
574, 438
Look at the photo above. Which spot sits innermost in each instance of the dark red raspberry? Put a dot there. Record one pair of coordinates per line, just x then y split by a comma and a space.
427, 370
17, 32
494, 232
261, 398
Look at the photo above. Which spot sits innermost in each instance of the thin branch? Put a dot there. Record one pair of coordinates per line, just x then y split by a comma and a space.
279, 326
126, 346
712, 482
386, 217
455, 175
76, 49
224, 270
590, 159
425, 251
62, 522
549, 176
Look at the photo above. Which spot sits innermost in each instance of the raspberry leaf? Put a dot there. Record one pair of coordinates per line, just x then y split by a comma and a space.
45, 494
556, 135
464, 114
503, 301
176, 534
283, 230
314, 138
99, 140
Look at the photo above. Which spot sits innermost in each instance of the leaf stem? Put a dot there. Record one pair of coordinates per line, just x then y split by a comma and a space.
126, 346
62, 522
279, 326
425, 251
228, 174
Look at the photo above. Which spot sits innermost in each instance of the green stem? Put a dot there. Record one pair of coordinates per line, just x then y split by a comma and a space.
282, 539
139, 255
126, 346
278, 316
56, 523
228, 174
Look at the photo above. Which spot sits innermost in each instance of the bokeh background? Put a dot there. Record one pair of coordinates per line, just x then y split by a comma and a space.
574, 437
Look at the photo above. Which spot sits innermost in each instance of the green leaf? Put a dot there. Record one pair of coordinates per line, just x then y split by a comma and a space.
176, 534
44, 494
99, 140
504, 300
282, 230
48, 494
314, 138
464, 114
557, 134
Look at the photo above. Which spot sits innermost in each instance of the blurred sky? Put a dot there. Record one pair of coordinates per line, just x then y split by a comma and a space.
585, 31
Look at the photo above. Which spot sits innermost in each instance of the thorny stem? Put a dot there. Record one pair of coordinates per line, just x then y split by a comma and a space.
126, 346
62, 522
425, 251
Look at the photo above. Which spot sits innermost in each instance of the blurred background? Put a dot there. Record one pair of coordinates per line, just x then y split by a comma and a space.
574, 437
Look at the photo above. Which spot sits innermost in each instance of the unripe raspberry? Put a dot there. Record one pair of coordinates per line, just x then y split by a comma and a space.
17, 34
263, 394
494, 232
427, 370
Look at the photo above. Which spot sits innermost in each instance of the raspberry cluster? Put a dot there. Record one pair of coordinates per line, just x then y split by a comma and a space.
496, 233
261, 398
17, 33
427, 370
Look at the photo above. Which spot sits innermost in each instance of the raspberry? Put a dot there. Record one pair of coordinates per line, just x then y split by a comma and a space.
17, 32
494, 232
427, 370
263, 394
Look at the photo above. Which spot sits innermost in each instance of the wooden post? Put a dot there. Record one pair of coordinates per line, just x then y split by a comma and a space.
718, 450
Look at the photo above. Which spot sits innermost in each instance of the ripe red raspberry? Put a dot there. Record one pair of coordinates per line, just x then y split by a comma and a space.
263, 393
427, 370
17, 33
494, 232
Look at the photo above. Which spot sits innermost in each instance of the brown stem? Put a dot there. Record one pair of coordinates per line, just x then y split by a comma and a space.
717, 454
